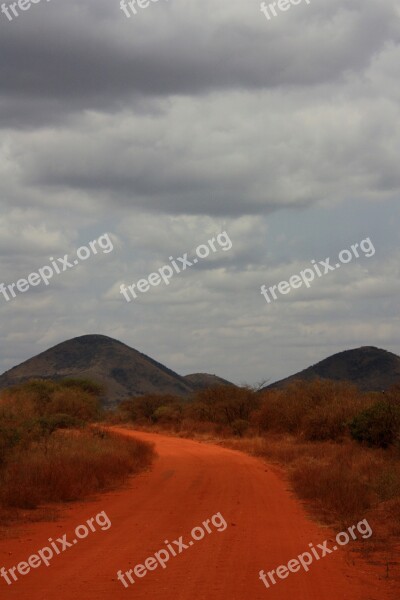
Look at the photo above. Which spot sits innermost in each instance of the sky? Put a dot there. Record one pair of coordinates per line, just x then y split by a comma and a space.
178, 123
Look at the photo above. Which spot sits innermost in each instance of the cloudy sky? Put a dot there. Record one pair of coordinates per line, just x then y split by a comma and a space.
191, 118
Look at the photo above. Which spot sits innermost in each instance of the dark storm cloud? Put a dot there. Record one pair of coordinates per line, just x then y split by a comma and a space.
69, 57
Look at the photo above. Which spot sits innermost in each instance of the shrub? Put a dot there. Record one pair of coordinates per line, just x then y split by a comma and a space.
239, 427
37, 398
329, 421
143, 408
280, 412
86, 385
69, 467
171, 414
318, 409
37, 392
224, 404
51, 423
378, 425
9, 438
74, 402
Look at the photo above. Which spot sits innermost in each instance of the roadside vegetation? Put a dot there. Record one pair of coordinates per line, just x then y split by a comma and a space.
51, 452
341, 447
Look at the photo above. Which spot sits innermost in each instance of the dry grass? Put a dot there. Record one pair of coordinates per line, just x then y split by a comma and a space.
69, 467
340, 482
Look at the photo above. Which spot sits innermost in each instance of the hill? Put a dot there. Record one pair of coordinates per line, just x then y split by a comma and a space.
202, 381
370, 368
123, 371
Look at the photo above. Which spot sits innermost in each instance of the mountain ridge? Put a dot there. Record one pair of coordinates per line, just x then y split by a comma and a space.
126, 372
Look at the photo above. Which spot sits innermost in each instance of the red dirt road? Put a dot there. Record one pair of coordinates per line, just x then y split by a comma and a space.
188, 483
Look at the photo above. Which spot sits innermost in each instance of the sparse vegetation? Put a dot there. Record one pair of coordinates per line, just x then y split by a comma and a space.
67, 467
48, 451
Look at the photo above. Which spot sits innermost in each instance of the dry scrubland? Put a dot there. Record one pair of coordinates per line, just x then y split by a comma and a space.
341, 447
48, 451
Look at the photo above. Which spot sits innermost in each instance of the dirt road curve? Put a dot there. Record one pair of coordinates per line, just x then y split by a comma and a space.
189, 483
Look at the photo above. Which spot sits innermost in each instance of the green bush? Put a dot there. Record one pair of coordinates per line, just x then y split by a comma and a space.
378, 425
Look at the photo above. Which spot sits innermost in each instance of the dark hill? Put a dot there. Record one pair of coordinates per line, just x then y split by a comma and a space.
202, 381
123, 371
370, 368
